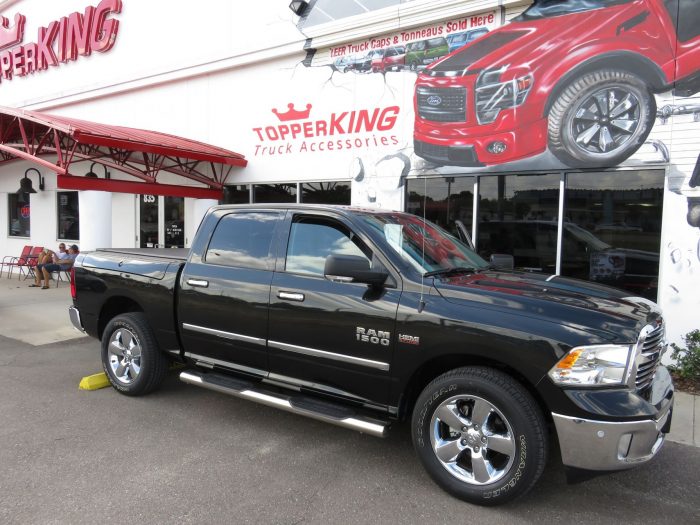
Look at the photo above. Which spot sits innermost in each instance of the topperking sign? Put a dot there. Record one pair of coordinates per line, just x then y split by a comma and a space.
60, 41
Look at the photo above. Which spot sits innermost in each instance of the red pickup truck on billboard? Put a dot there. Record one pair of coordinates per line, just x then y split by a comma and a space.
577, 76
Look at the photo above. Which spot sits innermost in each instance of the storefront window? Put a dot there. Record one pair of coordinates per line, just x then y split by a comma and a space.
19, 215
612, 229
518, 216
239, 194
447, 200
68, 220
275, 193
325, 193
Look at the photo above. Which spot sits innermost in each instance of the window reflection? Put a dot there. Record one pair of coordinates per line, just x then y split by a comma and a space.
518, 216
242, 240
68, 217
275, 193
236, 194
326, 192
311, 242
447, 200
612, 231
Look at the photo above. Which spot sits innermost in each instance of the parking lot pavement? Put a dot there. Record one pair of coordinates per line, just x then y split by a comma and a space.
188, 455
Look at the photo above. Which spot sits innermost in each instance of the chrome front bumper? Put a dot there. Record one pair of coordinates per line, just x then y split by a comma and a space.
605, 445
74, 315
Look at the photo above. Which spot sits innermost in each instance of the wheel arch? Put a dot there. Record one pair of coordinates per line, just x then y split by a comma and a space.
113, 307
622, 61
439, 365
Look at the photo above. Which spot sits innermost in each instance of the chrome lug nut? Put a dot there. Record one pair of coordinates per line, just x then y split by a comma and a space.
464, 442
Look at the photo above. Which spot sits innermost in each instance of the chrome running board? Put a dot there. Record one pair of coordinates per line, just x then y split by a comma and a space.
318, 409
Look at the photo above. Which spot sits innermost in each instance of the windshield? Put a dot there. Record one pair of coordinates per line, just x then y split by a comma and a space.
547, 8
406, 233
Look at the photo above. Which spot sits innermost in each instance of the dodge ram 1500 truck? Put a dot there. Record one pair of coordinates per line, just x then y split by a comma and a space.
365, 317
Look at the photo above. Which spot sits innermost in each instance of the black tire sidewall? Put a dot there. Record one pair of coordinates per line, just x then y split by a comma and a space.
135, 323
563, 145
530, 454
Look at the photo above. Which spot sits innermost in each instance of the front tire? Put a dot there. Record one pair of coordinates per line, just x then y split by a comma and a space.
131, 357
600, 119
480, 435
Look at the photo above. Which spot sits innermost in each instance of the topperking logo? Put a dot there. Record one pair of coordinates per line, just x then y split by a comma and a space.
297, 132
60, 41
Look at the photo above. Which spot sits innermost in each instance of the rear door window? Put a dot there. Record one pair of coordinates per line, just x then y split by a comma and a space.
243, 240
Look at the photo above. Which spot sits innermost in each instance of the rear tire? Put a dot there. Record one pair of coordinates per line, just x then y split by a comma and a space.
480, 435
131, 357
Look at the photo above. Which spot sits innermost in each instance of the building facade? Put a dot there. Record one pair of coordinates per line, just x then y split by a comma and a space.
565, 135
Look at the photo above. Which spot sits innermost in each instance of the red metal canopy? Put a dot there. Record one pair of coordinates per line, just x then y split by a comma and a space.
32, 136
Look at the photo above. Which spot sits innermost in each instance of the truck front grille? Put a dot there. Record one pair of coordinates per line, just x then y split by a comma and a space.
653, 343
442, 104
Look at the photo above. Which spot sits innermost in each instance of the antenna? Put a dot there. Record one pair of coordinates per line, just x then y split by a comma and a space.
421, 302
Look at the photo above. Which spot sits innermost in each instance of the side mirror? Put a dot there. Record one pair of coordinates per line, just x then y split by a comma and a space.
502, 261
352, 269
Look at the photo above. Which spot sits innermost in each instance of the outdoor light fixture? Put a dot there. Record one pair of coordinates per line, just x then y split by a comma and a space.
93, 175
298, 6
25, 184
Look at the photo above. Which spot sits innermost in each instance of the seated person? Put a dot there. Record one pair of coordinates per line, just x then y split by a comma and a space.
47, 256
55, 264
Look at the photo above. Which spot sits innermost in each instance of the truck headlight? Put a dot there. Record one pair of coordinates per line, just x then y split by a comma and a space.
597, 365
493, 95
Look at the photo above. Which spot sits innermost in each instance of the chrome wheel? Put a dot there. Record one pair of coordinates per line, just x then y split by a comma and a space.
606, 120
124, 356
472, 439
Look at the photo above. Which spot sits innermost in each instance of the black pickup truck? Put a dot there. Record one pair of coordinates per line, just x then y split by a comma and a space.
365, 317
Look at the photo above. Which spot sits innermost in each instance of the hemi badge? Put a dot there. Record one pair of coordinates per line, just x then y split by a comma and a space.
409, 339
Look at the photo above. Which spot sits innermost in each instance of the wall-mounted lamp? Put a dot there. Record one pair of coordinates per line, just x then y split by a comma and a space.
93, 175
298, 6
25, 183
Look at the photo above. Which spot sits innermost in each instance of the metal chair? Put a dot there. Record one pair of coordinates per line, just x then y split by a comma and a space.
58, 278
11, 261
30, 263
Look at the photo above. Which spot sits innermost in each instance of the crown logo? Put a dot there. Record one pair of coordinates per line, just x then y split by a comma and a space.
293, 114
10, 37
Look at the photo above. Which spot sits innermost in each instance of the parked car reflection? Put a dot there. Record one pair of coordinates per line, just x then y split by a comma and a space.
533, 245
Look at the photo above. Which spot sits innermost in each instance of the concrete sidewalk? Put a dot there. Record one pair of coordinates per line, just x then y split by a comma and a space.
40, 317
33, 315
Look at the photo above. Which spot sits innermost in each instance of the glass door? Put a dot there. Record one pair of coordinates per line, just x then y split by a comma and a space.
161, 222
174, 218
149, 206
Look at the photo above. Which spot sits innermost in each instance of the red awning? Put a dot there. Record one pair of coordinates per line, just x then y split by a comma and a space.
143, 154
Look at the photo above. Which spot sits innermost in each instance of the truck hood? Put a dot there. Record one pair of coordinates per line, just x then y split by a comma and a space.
526, 43
610, 313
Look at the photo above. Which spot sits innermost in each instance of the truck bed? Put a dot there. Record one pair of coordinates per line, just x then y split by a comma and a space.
176, 254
